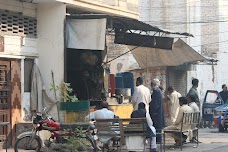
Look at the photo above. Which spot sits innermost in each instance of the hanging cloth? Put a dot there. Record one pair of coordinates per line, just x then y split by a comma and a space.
39, 98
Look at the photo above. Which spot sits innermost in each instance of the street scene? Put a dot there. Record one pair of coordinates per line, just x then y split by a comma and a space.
113, 75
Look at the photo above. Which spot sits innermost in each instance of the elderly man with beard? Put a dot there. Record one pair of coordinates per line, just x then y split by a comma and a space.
156, 108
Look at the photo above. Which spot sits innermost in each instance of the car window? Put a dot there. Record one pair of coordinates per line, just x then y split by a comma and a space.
213, 98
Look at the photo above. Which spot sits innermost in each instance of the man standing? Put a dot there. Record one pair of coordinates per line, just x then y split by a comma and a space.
141, 94
173, 104
184, 108
156, 108
224, 93
193, 91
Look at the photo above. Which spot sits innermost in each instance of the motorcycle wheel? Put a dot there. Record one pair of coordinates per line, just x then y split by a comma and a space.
21, 144
220, 128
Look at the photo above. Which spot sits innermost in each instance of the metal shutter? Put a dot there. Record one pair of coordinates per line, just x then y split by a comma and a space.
178, 80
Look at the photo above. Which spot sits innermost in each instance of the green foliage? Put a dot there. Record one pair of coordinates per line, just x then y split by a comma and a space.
64, 92
77, 142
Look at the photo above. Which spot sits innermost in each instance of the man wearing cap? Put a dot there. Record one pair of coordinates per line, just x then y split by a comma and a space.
156, 107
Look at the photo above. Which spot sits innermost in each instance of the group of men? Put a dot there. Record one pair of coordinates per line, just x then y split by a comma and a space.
149, 104
177, 106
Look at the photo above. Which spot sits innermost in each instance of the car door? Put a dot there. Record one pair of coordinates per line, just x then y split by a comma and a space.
212, 100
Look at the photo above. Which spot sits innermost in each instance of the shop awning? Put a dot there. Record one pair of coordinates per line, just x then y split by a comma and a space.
181, 53
124, 23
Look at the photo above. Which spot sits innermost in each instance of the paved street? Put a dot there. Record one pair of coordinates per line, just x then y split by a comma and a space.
212, 141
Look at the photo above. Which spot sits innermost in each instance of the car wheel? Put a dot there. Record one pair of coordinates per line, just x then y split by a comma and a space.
220, 128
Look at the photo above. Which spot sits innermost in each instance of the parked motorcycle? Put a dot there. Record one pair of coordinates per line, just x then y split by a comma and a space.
59, 139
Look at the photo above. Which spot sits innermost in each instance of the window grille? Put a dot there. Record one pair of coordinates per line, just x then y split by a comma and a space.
16, 24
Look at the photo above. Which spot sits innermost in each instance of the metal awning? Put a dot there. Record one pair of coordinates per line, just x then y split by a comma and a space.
181, 54
124, 24
133, 24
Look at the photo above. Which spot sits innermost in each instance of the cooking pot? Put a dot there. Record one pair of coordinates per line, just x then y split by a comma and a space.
124, 91
104, 94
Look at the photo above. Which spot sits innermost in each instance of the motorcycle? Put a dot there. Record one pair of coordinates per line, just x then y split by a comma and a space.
60, 139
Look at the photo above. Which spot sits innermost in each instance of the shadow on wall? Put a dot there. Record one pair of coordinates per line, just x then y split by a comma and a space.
119, 67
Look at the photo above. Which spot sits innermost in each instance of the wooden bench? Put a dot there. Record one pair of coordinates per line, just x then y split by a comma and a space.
119, 129
191, 119
108, 128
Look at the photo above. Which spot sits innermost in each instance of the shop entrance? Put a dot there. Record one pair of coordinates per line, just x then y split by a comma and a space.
85, 73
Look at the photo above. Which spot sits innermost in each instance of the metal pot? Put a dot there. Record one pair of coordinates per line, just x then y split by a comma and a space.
124, 91
104, 94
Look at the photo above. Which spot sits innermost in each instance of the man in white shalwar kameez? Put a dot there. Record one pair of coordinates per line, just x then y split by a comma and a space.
141, 94
173, 104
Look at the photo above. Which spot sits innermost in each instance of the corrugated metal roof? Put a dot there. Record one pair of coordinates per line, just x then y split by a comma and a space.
134, 24
180, 54
125, 23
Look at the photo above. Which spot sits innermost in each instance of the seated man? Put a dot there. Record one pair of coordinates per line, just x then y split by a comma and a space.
195, 108
177, 124
150, 132
192, 104
103, 113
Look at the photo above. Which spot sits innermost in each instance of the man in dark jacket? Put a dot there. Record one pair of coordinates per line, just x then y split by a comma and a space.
156, 108
150, 131
224, 93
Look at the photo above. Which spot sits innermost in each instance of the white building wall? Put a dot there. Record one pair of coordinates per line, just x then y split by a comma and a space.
17, 46
223, 46
27, 9
204, 34
50, 29
207, 39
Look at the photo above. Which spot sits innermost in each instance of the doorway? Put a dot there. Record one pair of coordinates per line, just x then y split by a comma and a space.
85, 73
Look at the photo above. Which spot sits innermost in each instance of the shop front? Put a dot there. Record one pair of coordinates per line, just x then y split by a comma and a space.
87, 64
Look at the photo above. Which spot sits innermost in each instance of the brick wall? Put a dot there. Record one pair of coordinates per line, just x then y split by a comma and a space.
150, 74
123, 63
209, 31
114, 50
163, 13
